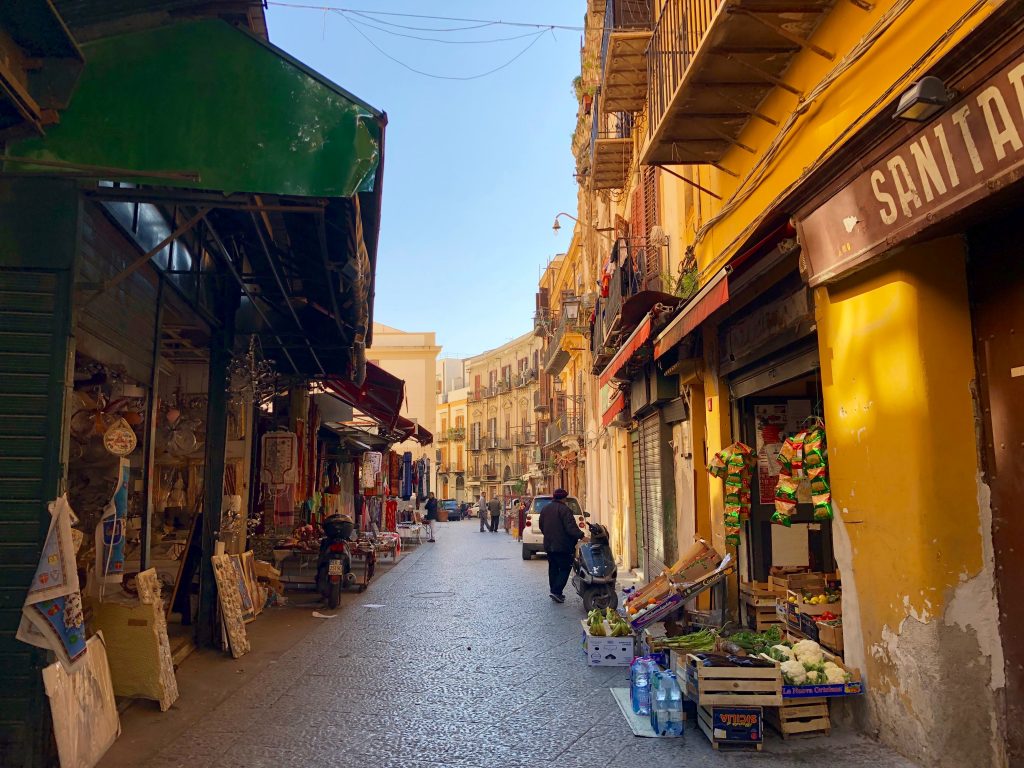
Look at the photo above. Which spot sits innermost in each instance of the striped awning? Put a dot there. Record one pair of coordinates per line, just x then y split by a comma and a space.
635, 340
709, 298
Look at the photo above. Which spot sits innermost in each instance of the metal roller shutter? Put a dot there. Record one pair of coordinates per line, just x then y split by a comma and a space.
651, 491
638, 503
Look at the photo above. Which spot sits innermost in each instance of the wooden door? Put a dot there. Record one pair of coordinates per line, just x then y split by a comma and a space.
997, 297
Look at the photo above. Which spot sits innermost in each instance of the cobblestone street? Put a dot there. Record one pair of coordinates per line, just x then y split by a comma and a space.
454, 658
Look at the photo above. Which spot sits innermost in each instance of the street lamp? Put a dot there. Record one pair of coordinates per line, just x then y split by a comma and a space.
556, 226
571, 306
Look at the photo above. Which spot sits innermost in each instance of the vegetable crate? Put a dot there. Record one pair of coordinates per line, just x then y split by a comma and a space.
800, 717
804, 692
797, 582
733, 686
759, 606
732, 727
608, 651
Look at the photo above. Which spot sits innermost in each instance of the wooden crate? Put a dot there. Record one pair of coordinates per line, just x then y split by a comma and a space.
734, 738
800, 717
733, 686
797, 582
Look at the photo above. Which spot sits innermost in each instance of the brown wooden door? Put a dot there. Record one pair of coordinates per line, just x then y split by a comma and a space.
997, 297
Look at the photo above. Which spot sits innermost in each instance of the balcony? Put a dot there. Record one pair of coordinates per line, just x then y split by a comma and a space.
489, 442
541, 323
568, 336
712, 63
611, 148
525, 378
505, 385
475, 443
633, 289
524, 436
490, 471
474, 473
476, 395
455, 434
627, 33
540, 402
504, 443
567, 424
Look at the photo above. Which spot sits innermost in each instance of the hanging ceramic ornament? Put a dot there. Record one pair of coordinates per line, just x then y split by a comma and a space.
119, 438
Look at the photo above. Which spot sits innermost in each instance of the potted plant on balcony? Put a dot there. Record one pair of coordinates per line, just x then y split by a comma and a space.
584, 93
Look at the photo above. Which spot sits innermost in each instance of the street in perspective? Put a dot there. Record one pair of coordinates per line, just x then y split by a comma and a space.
602, 383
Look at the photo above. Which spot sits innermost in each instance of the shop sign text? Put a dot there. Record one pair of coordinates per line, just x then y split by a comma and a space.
972, 149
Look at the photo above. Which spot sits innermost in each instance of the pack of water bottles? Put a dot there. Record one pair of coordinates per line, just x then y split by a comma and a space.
656, 694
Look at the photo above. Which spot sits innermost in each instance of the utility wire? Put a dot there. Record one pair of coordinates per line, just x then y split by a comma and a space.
483, 22
436, 39
368, 15
537, 36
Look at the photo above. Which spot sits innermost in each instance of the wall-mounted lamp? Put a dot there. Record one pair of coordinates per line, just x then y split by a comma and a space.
925, 99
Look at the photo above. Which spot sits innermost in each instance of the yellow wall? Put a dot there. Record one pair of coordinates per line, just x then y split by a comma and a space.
834, 115
897, 367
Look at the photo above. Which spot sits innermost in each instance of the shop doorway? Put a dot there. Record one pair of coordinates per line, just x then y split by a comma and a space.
766, 412
996, 277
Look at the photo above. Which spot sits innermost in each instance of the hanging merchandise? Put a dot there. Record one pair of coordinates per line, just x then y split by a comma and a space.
370, 469
394, 474
52, 614
110, 530
734, 465
803, 455
407, 479
280, 452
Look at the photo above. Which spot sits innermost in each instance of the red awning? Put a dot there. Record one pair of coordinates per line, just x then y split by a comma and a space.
709, 298
380, 397
410, 430
615, 407
636, 339
423, 436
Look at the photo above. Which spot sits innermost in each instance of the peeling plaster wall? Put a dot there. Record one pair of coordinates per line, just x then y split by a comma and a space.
913, 526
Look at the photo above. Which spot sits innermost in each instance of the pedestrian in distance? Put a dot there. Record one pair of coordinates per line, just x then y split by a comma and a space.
431, 517
481, 512
521, 521
561, 532
494, 507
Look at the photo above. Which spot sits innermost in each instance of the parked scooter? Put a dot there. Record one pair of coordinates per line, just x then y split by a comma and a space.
594, 570
334, 565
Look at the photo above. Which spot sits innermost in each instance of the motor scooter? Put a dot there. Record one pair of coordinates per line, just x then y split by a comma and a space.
334, 564
594, 570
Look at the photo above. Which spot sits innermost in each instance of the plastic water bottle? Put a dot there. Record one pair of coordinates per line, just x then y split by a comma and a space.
641, 688
673, 724
660, 692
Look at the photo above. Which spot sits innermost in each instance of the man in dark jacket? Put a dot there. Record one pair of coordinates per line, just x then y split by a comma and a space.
494, 508
561, 532
431, 514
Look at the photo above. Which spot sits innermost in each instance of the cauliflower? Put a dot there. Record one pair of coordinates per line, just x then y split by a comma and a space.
835, 674
808, 651
781, 652
794, 673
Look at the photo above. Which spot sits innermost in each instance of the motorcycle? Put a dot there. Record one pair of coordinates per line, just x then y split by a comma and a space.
594, 570
334, 564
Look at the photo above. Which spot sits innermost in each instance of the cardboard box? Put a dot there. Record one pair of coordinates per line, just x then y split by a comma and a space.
732, 726
608, 651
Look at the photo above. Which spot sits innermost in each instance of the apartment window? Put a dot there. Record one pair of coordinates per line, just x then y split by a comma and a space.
440, 389
460, 422
458, 454
444, 424
506, 373
492, 427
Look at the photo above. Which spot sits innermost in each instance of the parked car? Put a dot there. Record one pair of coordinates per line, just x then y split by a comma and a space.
533, 539
454, 509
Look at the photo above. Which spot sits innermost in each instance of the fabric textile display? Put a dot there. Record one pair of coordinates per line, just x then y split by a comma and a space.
110, 530
803, 455
52, 615
734, 465
391, 515
370, 469
406, 493
280, 452
395, 474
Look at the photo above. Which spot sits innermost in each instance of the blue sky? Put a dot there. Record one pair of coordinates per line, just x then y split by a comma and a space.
475, 170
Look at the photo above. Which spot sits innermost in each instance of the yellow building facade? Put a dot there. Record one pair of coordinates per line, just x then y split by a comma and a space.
503, 454
452, 438
807, 231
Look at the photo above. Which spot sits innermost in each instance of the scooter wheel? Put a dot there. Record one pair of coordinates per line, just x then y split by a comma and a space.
600, 597
334, 596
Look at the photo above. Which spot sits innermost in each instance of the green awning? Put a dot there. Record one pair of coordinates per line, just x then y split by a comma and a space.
208, 106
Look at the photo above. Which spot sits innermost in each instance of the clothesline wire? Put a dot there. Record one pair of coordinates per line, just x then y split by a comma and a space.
436, 39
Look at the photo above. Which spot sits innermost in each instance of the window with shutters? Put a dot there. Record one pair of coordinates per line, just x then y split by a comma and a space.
644, 216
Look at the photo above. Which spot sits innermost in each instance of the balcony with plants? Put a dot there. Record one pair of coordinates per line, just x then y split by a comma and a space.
565, 425
455, 434
711, 65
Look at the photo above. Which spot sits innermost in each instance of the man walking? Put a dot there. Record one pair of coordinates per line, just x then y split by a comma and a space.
561, 532
494, 507
431, 514
481, 512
